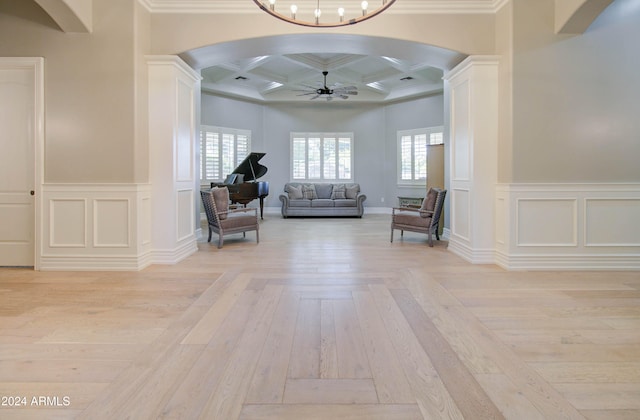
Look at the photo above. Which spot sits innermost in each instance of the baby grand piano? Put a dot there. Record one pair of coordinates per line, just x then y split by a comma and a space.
245, 188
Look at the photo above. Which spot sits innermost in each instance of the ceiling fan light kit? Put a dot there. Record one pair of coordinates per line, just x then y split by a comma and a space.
270, 8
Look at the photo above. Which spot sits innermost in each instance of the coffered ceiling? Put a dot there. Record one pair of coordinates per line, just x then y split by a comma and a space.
274, 74
277, 78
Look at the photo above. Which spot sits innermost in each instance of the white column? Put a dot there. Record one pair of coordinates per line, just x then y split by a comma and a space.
473, 157
172, 152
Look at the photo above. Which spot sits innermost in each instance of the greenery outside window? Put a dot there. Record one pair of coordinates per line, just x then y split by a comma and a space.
322, 157
221, 151
412, 153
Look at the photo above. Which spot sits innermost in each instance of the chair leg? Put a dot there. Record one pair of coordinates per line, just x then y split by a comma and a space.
257, 236
220, 240
209, 240
391, 234
430, 239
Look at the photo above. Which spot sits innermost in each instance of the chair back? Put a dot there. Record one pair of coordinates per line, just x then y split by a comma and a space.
209, 207
437, 209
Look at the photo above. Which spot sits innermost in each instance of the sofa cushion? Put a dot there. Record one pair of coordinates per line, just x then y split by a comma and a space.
295, 192
303, 202
339, 192
322, 202
352, 190
221, 198
309, 192
344, 203
324, 190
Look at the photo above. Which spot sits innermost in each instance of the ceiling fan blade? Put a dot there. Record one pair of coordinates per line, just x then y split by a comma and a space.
346, 88
306, 94
344, 96
315, 97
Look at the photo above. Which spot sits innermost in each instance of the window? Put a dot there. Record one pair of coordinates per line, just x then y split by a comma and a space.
322, 156
412, 153
222, 150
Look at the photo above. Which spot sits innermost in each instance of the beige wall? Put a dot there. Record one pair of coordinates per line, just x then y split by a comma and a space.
142, 47
575, 98
469, 34
504, 49
89, 88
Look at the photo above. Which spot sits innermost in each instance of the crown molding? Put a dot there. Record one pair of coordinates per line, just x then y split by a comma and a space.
248, 7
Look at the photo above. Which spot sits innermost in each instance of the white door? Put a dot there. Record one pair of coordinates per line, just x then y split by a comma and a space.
18, 131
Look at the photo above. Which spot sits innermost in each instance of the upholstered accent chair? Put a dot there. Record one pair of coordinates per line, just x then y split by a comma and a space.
224, 220
425, 219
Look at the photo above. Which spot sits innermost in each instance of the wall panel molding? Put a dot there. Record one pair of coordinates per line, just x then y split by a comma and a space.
96, 227
569, 226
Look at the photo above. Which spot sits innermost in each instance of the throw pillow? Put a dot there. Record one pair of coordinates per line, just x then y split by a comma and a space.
309, 192
339, 192
221, 199
295, 193
352, 191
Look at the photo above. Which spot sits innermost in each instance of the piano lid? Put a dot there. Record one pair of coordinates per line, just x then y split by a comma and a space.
250, 167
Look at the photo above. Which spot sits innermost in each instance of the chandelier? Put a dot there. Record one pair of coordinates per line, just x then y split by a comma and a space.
299, 10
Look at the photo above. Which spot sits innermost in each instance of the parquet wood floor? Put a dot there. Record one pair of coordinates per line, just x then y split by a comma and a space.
324, 319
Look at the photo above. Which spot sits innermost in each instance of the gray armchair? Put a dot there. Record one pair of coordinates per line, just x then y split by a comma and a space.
425, 219
225, 221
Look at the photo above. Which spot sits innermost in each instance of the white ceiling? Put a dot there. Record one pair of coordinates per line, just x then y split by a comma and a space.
277, 78
271, 69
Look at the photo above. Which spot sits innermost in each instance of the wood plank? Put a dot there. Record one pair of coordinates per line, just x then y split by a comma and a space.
330, 411
305, 353
208, 324
330, 391
352, 356
268, 382
328, 346
432, 396
194, 390
465, 390
226, 401
391, 383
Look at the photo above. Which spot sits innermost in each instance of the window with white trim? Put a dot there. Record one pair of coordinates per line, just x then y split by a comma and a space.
412, 153
221, 151
322, 157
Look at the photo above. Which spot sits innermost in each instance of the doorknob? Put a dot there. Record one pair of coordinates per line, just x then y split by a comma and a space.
32, 192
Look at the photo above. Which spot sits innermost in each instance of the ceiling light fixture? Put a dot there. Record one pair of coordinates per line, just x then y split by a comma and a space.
313, 9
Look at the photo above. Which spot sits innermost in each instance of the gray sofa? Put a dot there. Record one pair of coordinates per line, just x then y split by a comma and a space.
322, 199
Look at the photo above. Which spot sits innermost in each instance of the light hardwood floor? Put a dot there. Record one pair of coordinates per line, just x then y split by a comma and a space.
324, 319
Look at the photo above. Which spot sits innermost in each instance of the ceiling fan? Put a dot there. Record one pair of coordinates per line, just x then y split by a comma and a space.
336, 90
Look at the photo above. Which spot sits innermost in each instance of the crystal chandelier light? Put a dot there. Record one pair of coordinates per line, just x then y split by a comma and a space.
294, 12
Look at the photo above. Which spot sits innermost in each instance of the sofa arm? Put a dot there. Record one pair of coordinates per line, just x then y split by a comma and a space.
360, 202
285, 204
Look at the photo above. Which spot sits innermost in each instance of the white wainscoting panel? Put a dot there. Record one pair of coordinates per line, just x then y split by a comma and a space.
546, 222
184, 220
184, 140
460, 132
96, 227
461, 214
67, 222
612, 222
111, 221
569, 226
